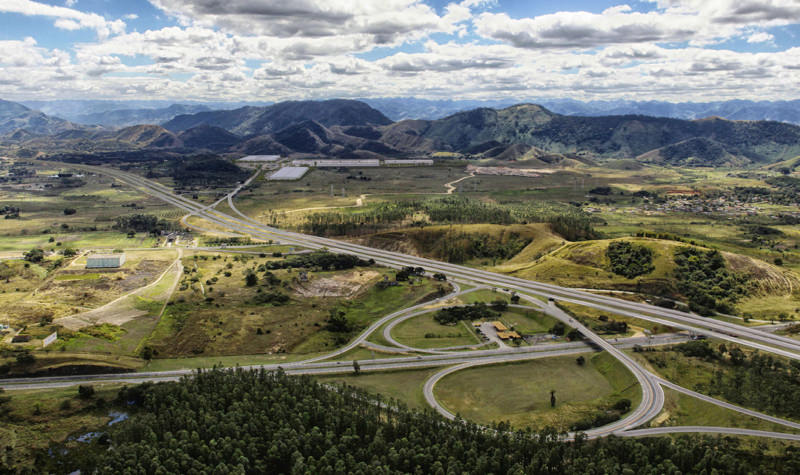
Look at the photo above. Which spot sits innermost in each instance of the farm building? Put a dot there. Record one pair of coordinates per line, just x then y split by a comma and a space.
289, 173
99, 261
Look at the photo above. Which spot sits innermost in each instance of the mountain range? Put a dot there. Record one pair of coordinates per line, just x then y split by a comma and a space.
348, 128
782, 111
107, 113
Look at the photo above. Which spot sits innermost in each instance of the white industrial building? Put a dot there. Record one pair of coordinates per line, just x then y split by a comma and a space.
260, 158
100, 261
409, 163
289, 173
337, 163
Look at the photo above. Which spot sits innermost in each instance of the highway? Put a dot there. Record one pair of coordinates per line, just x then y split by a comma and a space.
723, 330
652, 393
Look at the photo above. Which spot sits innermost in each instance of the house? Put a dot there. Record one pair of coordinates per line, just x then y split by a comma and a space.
100, 261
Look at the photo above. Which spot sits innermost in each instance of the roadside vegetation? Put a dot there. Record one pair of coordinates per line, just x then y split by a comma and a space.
748, 378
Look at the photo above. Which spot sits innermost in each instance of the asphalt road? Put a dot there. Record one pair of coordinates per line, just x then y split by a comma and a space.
652, 393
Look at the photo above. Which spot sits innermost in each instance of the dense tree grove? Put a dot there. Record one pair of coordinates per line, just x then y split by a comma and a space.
476, 311
459, 247
258, 422
205, 170
323, 260
704, 280
569, 222
142, 223
630, 260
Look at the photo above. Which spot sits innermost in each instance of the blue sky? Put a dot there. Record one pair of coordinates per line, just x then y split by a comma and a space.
269, 50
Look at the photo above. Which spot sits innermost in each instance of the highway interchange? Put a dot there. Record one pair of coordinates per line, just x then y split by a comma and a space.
539, 295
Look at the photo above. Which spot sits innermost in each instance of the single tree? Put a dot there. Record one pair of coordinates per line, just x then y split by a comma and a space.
356, 368
580, 360
552, 398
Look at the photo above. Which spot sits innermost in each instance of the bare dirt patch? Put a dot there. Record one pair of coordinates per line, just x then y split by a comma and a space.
345, 285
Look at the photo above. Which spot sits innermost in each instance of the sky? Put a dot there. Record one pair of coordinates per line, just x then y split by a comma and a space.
274, 50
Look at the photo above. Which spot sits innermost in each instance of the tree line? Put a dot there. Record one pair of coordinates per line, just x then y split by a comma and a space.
569, 222
253, 421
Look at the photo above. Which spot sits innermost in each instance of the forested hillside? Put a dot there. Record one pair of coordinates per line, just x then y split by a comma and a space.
259, 422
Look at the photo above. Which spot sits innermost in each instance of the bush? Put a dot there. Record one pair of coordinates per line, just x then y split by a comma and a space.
558, 329
85, 391
34, 255
69, 211
697, 349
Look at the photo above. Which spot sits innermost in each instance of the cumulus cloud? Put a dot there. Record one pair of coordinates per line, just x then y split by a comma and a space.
66, 18
270, 50
386, 22
614, 26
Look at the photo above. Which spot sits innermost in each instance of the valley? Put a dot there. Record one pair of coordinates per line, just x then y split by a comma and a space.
343, 274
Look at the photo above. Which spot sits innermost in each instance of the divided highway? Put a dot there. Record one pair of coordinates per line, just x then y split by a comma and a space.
652, 393
718, 329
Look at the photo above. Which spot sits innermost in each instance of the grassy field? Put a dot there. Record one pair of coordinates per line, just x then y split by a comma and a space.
520, 393
592, 317
38, 418
684, 410
214, 286
424, 332
528, 322
403, 386
42, 201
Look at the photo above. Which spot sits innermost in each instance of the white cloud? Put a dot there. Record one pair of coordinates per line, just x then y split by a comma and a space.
66, 18
386, 22
760, 37
67, 24
270, 50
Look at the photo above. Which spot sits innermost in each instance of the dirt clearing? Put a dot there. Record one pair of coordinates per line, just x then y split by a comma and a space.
345, 285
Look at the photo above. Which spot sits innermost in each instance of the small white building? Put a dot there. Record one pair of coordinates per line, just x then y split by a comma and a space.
100, 261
